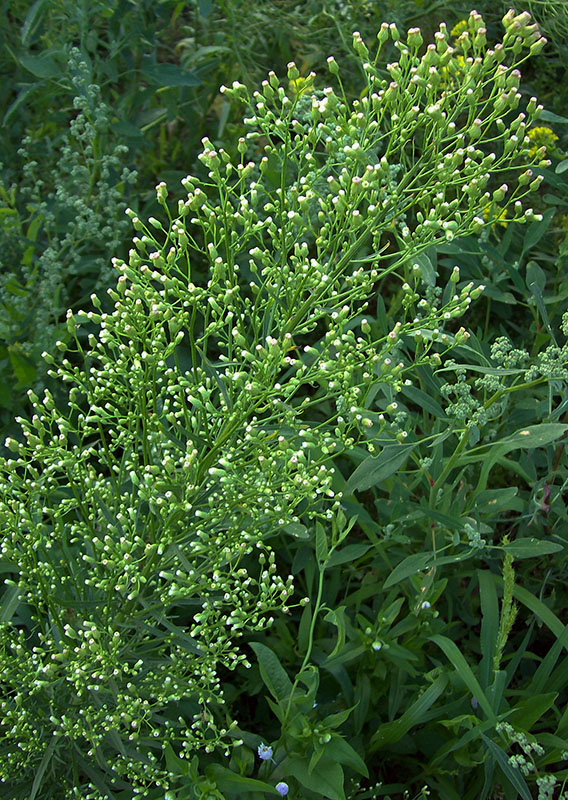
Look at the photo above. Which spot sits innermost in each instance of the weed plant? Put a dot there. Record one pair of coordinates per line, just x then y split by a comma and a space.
269, 541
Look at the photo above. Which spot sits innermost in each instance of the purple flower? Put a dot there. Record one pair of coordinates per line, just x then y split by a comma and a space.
264, 752
282, 788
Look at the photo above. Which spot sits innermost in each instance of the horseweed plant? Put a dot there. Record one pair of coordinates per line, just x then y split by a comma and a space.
191, 436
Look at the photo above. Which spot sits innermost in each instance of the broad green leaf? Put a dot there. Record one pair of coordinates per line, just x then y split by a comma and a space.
417, 562
463, 669
530, 438
297, 530
169, 75
513, 775
272, 672
24, 369
409, 566
562, 166
424, 401
349, 553
428, 271
229, 781
531, 548
339, 750
534, 436
549, 116
530, 709
326, 779
499, 500
536, 230
42, 66
390, 732
374, 470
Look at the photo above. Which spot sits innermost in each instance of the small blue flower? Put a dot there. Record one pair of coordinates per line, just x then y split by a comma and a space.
282, 788
264, 752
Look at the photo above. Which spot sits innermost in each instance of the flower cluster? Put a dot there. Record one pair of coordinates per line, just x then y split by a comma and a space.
138, 518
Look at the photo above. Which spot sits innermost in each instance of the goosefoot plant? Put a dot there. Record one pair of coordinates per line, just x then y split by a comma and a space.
192, 437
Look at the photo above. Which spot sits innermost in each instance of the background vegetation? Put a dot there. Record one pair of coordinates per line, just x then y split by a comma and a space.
433, 657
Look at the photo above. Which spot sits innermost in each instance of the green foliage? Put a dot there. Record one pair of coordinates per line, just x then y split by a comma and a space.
280, 524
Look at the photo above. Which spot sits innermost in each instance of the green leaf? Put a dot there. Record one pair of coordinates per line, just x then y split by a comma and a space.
536, 230
540, 609
175, 764
297, 530
561, 167
32, 20
513, 775
339, 750
304, 629
409, 566
531, 437
424, 401
490, 500
390, 732
531, 548
530, 710
24, 369
489, 624
229, 781
350, 553
272, 672
169, 75
374, 471
321, 543
9, 602
421, 561
337, 618
463, 669
326, 778
549, 116
40, 772
42, 66
428, 272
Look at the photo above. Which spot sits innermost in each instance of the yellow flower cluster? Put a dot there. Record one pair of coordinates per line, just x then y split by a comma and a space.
542, 135
301, 85
459, 28
496, 214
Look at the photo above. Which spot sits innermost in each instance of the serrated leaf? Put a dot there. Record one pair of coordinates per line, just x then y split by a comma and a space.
374, 470
272, 672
